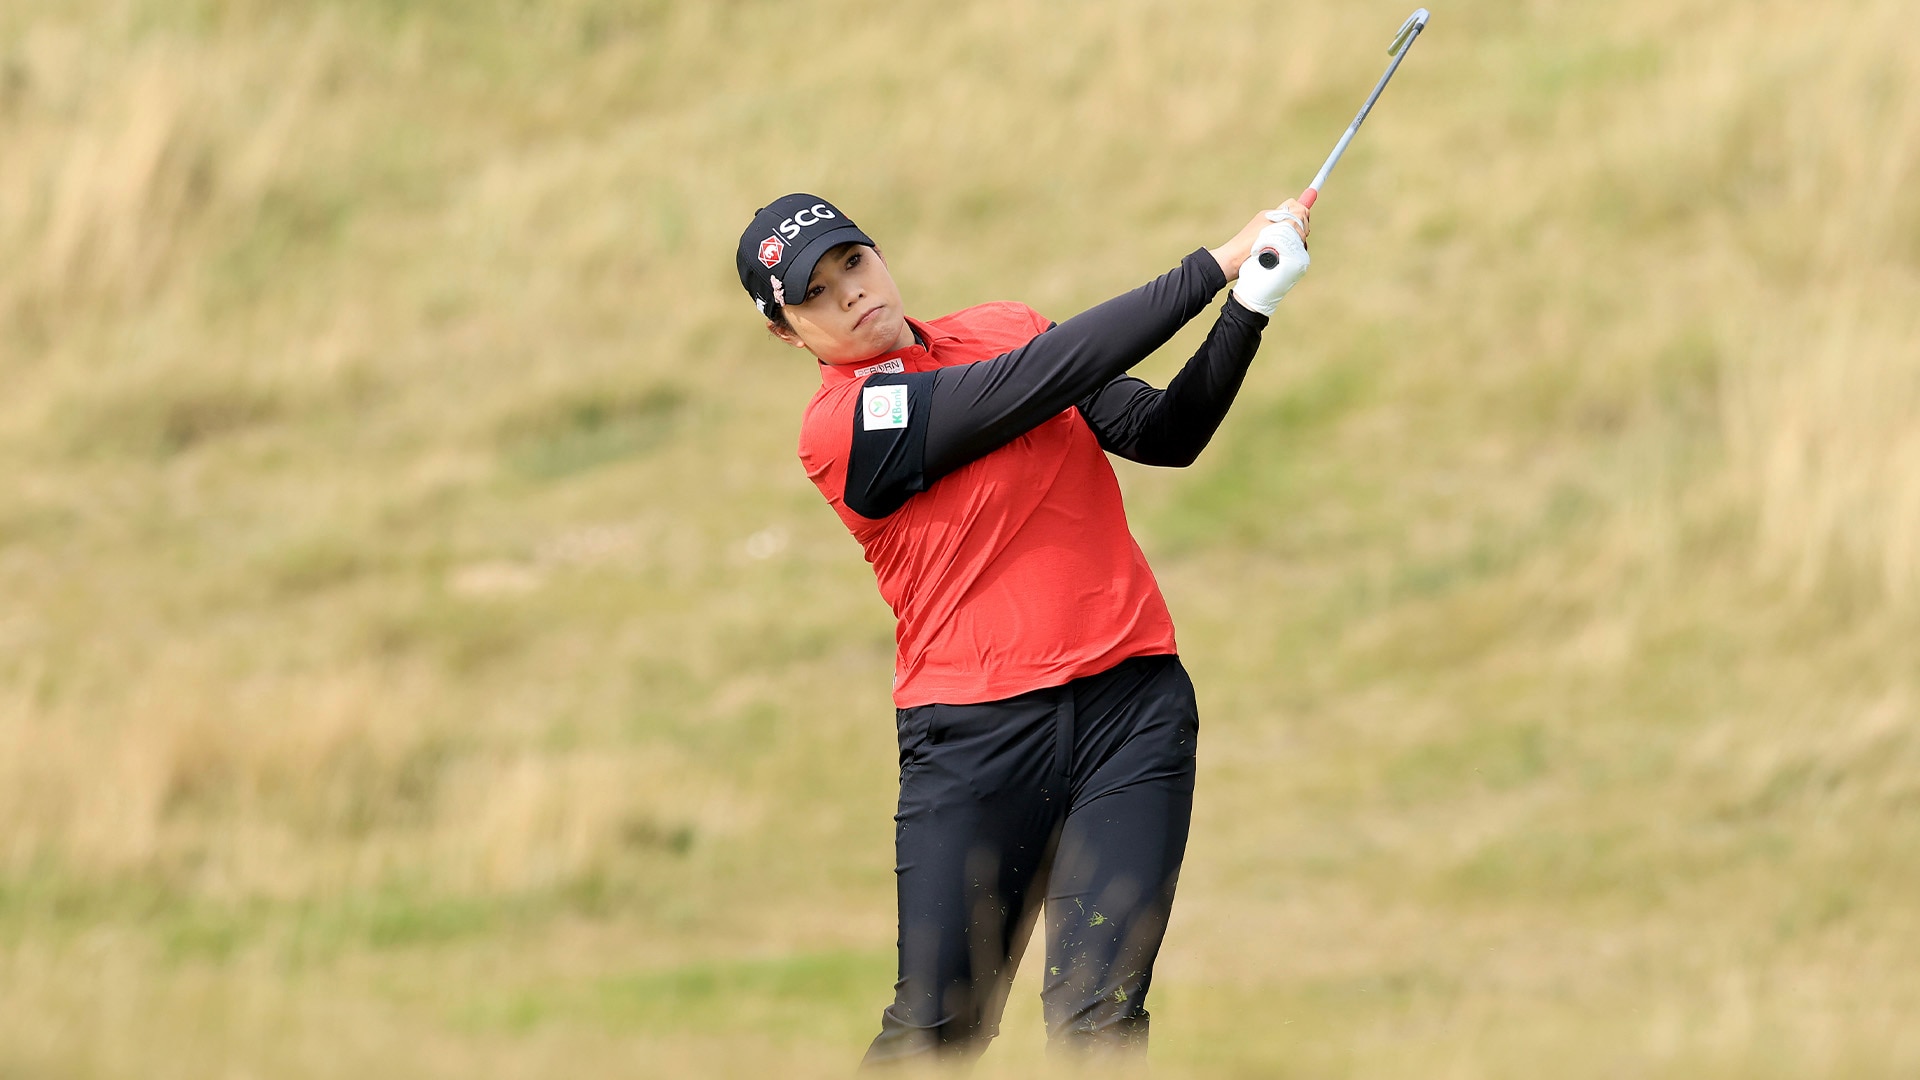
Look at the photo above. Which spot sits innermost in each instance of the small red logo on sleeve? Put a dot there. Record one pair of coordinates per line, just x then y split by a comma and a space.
770, 251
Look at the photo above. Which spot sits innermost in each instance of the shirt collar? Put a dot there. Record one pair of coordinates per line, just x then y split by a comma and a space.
922, 355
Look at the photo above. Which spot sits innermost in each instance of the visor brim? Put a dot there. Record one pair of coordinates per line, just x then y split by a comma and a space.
794, 279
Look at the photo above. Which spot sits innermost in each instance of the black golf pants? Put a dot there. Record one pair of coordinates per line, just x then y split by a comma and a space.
1079, 795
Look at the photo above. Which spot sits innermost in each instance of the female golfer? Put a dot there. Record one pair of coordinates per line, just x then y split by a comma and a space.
1046, 726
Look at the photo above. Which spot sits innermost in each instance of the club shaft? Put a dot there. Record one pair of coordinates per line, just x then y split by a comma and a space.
1320, 178
1270, 258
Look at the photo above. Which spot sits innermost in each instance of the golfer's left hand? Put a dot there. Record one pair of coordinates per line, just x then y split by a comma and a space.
1234, 252
1260, 286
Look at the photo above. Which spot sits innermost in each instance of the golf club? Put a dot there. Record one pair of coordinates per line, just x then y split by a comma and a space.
1402, 41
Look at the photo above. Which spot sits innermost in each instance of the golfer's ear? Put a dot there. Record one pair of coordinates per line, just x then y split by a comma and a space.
785, 334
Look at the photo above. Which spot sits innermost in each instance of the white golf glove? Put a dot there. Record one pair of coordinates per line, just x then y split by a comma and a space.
1259, 288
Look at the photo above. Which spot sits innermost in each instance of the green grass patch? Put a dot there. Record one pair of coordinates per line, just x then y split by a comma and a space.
584, 430
1487, 757
813, 995
1263, 465
54, 907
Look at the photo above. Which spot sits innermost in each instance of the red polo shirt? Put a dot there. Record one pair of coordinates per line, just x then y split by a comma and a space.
1015, 571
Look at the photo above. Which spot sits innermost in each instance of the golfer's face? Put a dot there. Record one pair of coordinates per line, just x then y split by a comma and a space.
852, 309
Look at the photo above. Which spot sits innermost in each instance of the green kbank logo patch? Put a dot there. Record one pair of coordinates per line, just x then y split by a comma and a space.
883, 407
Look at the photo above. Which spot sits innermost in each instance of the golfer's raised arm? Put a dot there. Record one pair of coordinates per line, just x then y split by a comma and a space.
975, 408
1170, 427
963, 412
959, 413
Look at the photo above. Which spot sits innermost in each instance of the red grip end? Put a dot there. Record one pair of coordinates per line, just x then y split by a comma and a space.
1307, 197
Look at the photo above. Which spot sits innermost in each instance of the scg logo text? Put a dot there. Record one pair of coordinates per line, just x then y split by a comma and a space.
813, 215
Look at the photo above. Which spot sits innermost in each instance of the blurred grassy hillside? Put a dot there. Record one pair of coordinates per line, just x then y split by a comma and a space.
421, 655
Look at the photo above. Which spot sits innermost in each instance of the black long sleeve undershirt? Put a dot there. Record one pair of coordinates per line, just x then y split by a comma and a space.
968, 410
1170, 427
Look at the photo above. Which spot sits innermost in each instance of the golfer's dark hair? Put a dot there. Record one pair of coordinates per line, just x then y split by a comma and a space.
777, 315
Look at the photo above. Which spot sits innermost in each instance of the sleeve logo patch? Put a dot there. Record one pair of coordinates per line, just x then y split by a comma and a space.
883, 407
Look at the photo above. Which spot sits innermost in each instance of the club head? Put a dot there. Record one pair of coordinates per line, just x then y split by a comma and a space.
1415, 23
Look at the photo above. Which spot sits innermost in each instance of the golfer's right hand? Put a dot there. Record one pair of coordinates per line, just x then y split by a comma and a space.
1261, 287
1232, 254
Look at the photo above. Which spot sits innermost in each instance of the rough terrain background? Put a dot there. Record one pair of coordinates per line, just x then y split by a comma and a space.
421, 655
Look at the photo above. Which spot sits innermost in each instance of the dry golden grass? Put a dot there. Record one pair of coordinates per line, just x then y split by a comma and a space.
420, 655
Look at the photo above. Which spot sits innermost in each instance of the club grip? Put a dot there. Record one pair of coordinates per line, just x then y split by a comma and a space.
1269, 259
